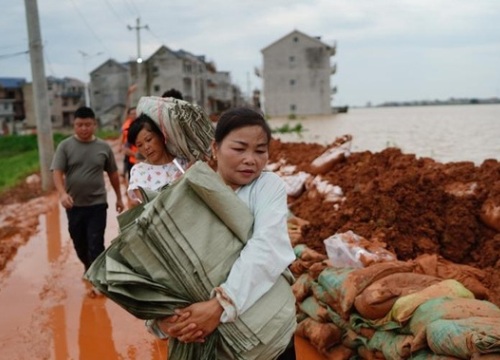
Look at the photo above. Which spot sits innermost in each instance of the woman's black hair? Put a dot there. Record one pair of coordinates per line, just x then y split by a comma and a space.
236, 118
143, 122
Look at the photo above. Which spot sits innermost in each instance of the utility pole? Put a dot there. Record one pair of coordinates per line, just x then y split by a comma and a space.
138, 28
40, 95
86, 83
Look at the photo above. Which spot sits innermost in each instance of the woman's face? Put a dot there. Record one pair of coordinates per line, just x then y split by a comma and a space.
151, 146
242, 155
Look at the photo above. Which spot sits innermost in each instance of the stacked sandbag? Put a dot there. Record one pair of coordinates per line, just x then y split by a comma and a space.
446, 308
394, 309
338, 151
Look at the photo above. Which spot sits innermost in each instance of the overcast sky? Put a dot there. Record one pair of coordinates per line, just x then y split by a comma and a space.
387, 50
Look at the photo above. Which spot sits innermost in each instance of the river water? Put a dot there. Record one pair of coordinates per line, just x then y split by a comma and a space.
445, 133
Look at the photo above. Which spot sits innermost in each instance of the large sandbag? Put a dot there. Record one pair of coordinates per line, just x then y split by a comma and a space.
392, 345
376, 300
301, 288
465, 337
323, 336
339, 352
314, 309
338, 151
344, 284
425, 354
446, 308
405, 306
469, 276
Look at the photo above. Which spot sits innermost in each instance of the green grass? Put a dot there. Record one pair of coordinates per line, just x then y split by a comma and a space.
287, 128
19, 156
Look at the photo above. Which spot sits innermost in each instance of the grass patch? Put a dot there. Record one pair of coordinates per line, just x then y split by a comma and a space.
19, 156
15, 168
287, 128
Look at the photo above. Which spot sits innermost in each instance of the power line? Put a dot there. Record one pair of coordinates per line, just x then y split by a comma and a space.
88, 26
130, 8
113, 10
135, 7
155, 36
7, 56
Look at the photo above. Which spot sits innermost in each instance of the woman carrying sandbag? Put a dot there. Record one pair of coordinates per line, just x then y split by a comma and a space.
241, 150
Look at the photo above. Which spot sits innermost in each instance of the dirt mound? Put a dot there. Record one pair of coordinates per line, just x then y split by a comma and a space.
414, 205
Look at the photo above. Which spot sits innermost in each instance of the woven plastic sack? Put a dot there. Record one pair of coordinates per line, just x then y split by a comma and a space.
465, 337
187, 128
405, 306
344, 284
392, 345
323, 336
378, 298
445, 308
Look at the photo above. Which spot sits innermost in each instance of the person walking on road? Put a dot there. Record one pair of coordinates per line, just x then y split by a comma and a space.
78, 170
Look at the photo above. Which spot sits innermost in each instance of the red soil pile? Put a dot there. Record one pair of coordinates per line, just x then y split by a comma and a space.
414, 205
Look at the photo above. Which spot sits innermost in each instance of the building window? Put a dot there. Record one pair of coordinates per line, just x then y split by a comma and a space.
156, 88
295, 39
293, 107
291, 59
292, 82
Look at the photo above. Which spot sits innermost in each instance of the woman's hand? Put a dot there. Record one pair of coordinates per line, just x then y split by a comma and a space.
178, 325
193, 323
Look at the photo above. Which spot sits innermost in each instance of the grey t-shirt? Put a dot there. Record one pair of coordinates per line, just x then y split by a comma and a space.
83, 164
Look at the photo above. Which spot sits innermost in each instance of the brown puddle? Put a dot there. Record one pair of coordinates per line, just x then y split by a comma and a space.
47, 314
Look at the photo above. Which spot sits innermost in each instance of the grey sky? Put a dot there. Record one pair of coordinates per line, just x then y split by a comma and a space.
387, 50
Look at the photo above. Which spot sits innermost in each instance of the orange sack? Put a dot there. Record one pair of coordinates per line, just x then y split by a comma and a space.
378, 298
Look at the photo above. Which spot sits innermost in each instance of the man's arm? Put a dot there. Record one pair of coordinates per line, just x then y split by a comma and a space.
114, 179
64, 197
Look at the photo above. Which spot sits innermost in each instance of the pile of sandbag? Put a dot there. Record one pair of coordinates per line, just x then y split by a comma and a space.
426, 308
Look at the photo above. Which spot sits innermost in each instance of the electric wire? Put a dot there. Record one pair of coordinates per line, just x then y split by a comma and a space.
89, 27
8, 56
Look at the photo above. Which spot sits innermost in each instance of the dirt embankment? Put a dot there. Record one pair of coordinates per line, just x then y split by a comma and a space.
414, 205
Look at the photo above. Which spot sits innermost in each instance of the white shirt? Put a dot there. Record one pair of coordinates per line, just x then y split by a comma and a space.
153, 177
267, 253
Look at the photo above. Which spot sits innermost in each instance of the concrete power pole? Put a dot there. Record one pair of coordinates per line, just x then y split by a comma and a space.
40, 96
138, 28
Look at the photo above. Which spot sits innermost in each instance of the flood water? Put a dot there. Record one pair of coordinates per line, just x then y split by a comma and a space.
446, 133
46, 314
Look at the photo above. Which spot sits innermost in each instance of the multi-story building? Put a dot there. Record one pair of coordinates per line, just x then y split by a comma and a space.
199, 82
65, 96
109, 84
296, 74
11, 104
167, 69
